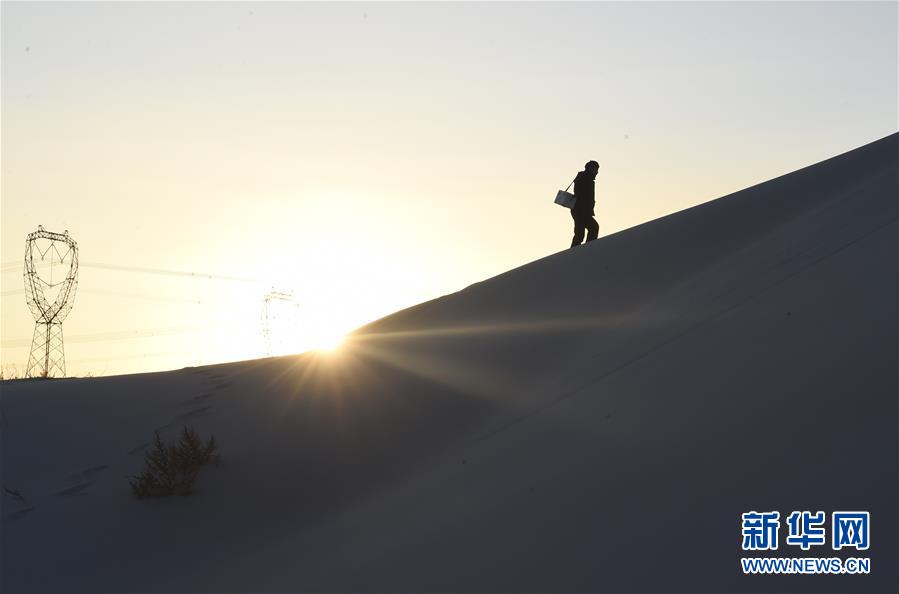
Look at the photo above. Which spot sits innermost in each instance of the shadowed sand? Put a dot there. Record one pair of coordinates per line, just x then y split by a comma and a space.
595, 420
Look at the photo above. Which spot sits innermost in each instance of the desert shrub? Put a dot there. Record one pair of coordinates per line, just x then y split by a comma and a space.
171, 469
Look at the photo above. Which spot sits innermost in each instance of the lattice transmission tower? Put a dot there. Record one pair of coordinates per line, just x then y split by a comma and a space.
47, 358
280, 321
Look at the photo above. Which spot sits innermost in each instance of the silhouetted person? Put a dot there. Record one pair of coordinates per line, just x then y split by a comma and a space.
582, 213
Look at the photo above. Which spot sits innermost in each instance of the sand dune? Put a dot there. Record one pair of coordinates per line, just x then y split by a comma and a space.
595, 420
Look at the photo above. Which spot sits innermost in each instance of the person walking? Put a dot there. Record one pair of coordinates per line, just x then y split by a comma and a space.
582, 212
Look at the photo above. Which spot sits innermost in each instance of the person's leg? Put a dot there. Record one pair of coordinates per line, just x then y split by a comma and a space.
592, 228
579, 229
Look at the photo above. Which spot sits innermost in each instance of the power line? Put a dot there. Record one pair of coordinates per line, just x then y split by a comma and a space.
120, 294
14, 266
134, 356
118, 335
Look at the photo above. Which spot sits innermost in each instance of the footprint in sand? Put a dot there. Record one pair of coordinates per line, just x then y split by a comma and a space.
195, 412
19, 514
93, 471
86, 473
221, 385
14, 494
82, 479
75, 489
200, 398
191, 413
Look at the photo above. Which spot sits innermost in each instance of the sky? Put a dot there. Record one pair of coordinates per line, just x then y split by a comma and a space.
365, 157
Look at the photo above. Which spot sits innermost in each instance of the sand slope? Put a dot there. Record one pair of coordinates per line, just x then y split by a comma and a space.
595, 420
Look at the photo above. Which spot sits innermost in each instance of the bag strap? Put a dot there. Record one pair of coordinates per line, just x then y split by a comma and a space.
569, 185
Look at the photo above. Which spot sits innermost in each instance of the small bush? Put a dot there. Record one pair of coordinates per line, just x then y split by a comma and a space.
171, 469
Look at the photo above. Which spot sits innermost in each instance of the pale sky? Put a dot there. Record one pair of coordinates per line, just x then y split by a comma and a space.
370, 156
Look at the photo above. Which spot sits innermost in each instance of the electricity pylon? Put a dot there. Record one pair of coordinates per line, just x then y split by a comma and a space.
47, 358
280, 321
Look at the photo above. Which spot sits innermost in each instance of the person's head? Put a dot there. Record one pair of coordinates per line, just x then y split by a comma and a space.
592, 168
